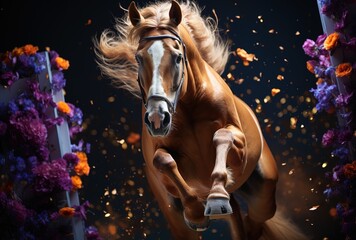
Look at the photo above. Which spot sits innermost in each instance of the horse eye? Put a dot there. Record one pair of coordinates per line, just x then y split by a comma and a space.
179, 58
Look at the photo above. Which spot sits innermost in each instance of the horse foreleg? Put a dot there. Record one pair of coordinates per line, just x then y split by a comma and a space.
218, 200
193, 207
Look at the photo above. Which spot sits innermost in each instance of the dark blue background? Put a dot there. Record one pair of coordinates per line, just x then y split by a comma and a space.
111, 114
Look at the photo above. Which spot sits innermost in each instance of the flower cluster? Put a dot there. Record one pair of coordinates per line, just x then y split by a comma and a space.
27, 173
333, 99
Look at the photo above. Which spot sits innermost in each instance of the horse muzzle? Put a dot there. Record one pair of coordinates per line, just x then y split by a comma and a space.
158, 122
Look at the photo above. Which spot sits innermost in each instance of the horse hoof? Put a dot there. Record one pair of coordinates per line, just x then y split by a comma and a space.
217, 207
199, 227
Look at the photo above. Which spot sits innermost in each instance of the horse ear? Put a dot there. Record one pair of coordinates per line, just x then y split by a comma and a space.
175, 13
134, 14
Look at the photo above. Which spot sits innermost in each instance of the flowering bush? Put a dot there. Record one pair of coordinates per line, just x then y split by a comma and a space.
27, 173
334, 93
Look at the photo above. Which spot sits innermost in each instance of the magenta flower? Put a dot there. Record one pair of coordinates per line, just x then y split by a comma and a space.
329, 138
28, 128
310, 48
52, 176
71, 158
343, 100
13, 210
8, 78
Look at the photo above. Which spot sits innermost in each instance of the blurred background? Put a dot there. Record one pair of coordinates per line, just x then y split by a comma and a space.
122, 206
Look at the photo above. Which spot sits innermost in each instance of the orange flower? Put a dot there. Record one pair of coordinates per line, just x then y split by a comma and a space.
331, 41
310, 66
76, 182
350, 170
62, 63
63, 107
29, 49
343, 70
17, 51
82, 167
67, 211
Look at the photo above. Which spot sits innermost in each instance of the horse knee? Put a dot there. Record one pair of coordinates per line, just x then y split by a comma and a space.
164, 162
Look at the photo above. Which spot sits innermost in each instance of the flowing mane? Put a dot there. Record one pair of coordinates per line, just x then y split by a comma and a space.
115, 50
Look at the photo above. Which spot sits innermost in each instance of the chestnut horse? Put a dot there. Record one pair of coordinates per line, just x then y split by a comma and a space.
200, 142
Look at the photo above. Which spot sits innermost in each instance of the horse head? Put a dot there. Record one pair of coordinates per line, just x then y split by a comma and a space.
161, 60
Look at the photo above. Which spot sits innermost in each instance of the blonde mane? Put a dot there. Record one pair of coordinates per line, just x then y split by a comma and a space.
116, 50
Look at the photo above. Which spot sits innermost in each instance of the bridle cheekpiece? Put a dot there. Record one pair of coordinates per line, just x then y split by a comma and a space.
171, 105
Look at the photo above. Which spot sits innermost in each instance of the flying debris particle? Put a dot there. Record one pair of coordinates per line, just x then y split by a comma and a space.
245, 57
111, 99
291, 172
313, 208
267, 99
240, 81
107, 215
133, 138
275, 91
280, 77
324, 165
271, 31
131, 183
257, 79
254, 31
260, 18
293, 122
297, 33
281, 48
230, 76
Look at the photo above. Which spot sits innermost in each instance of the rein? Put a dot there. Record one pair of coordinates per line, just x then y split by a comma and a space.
171, 105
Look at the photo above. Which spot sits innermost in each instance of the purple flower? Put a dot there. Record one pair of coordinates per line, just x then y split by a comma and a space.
310, 48
52, 56
71, 158
324, 60
343, 100
13, 108
8, 78
28, 128
80, 210
338, 173
330, 72
58, 81
91, 233
50, 122
320, 39
329, 138
344, 135
324, 94
341, 152
52, 176
43, 98
13, 210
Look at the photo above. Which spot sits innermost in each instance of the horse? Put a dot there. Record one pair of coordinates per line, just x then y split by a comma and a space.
201, 144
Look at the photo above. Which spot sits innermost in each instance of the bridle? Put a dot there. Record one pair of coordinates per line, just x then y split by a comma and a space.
171, 105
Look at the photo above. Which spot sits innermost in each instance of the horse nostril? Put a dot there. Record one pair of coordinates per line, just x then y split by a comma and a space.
147, 121
166, 119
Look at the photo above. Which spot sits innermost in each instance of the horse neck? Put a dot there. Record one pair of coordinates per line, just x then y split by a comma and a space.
196, 68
